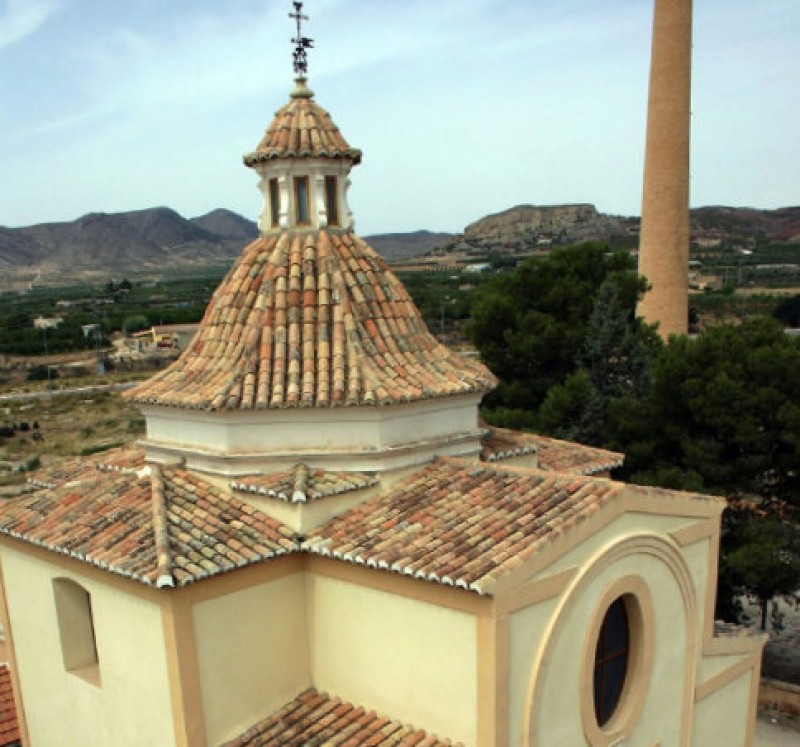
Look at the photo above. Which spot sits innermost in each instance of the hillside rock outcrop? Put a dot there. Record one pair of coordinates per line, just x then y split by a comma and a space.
529, 225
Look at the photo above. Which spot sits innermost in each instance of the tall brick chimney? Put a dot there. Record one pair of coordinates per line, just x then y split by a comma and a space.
664, 239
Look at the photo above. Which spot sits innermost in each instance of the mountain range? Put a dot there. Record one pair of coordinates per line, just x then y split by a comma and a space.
148, 241
138, 240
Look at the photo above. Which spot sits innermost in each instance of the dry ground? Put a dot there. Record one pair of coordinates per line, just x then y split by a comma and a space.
782, 652
772, 733
68, 425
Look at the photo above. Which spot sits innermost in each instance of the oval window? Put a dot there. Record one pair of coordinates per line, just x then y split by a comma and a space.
611, 661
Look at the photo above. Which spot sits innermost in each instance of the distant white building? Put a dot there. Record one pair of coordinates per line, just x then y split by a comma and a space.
47, 322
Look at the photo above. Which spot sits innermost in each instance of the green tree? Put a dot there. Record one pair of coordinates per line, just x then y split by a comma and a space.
41, 373
530, 324
764, 559
724, 412
614, 363
787, 311
569, 409
134, 323
618, 346
723, 416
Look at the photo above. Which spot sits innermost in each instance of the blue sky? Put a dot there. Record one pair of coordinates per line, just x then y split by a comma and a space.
462, 107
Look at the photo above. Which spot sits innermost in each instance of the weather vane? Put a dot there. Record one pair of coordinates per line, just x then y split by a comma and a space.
302, 43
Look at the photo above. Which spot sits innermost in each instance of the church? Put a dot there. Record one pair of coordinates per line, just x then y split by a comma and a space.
318, 542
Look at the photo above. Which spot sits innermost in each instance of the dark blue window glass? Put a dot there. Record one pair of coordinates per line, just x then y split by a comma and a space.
611, 661
301, 198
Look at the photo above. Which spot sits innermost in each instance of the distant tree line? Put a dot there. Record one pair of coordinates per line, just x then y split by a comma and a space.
116, 306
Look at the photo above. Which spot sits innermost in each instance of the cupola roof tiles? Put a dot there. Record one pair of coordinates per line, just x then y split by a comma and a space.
311, 319
302, 129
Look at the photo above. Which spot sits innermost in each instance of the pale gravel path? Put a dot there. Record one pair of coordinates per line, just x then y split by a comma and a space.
775, 735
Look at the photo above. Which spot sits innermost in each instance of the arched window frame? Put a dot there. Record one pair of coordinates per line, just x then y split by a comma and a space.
611, 660
76, 630
635, 594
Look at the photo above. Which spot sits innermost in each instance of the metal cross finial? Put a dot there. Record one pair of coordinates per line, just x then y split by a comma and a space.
302, 43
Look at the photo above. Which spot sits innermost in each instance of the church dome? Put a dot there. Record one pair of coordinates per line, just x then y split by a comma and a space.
311, 319
311, 350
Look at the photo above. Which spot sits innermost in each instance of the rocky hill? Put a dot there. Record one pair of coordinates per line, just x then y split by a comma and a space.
529, 228
529, 225
728, 222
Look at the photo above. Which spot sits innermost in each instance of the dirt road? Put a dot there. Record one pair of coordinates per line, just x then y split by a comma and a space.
775, 735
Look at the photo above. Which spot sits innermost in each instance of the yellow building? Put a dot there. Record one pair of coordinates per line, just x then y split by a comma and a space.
318, 542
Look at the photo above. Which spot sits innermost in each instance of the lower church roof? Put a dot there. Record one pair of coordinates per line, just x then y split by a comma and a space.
147, 525
500, 444
573, 458
314, 718
302, 484
461, 524
85, 468
454, 522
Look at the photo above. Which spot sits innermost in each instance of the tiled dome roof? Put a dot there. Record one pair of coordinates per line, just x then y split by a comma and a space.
302, 129
312, 319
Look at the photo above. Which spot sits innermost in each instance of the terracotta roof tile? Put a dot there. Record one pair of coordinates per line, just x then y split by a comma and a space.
148, 526
574, 458
301, 484
9, 726
553, 454
453, 522
313, 718
500, 443
126, 458
302, 129
461, 525
263, 345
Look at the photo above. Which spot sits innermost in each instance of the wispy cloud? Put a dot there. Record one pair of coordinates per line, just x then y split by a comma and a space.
21, 18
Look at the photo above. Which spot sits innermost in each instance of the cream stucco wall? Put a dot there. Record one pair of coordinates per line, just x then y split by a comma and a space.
711, 666
359, 438
527, 629
252, 654
548, 639
284, 170
696, 556
719, 718
61, 707
625, 525
411, 660
558, 681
